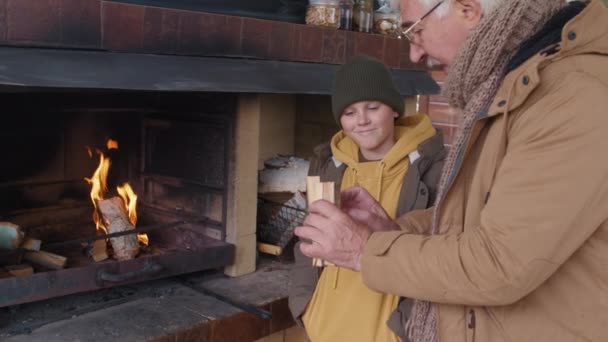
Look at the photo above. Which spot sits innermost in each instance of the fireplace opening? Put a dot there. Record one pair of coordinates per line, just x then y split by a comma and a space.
172, 149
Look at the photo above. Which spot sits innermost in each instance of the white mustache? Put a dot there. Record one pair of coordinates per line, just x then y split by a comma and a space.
432, 62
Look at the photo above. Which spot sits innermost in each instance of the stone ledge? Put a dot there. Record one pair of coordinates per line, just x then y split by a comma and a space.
163, 310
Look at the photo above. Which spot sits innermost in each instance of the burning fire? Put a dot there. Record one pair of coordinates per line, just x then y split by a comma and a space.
99, 188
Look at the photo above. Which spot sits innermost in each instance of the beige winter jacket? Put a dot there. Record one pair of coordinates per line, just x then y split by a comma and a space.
523, 254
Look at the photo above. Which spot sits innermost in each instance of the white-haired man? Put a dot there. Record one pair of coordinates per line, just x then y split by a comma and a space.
516, 247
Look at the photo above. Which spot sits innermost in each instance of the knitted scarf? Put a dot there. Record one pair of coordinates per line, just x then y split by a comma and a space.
473, 80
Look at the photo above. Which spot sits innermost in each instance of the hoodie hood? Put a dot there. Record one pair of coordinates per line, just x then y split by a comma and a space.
410, 131
386, 174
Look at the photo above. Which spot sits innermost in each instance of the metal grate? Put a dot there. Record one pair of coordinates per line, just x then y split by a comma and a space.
276, 222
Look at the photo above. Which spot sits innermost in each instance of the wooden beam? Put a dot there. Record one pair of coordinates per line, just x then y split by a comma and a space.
53, 68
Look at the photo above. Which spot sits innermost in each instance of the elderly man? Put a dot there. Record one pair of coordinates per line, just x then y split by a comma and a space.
516, 247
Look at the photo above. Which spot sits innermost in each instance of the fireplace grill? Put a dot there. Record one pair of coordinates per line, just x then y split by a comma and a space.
175, 151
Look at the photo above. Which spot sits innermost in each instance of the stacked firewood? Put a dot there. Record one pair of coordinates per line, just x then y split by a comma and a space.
12, 238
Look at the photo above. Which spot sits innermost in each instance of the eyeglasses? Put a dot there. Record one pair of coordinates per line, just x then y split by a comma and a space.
408, 33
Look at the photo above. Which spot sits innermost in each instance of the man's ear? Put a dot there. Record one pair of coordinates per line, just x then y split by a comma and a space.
469, 11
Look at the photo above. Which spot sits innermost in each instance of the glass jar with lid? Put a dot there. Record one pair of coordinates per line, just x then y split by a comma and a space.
386, 23
346, 15
324, 13
386, 19
362, 15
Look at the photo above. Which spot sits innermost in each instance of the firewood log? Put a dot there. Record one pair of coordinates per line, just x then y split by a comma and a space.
99, 251
116, 220
46, 259
20, 270
31, 244
316, 190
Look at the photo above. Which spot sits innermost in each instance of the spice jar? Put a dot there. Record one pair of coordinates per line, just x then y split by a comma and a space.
386, 23
323, 13
346, 15
362, 15
386, 19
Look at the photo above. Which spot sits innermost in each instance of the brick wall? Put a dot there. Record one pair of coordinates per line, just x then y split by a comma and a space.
436, 106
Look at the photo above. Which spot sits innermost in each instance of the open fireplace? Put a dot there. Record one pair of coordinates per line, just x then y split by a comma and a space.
172, 149
175, 104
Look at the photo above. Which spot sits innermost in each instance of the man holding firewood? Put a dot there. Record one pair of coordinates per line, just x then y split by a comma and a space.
516, 247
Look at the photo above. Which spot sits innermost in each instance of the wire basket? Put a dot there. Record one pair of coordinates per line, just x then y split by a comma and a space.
276, 222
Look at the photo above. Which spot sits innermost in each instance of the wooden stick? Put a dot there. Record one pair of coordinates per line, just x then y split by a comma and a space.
115, 217
31, 244
46, 259
316, 190
99, 251
269, 249
20, 270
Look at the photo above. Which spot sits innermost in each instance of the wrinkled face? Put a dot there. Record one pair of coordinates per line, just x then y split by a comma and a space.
436, 38
370, 124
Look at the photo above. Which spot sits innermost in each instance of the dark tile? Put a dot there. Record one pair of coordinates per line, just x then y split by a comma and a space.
350, 49
334, 46
123, 26
281, 316
371, 45
423, 103
34, 20
190, 32
3, 20
221, 34
310, 47
81, 22
405, 46
160, 30
405, 62
281, 40
240, 327
256, 37
200, 333
392, 52
295, 42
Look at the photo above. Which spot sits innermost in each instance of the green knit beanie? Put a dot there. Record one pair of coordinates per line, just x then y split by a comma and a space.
364, 79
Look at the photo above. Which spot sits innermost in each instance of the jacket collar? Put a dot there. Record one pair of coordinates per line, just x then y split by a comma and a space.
585, 33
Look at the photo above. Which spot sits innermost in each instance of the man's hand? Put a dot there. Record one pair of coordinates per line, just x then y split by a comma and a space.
362, 207
330, 234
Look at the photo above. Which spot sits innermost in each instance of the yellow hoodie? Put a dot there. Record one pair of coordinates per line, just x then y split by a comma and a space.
342, 308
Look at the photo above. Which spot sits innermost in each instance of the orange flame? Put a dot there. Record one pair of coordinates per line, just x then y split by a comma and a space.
99, 188
112, 144
130, 199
